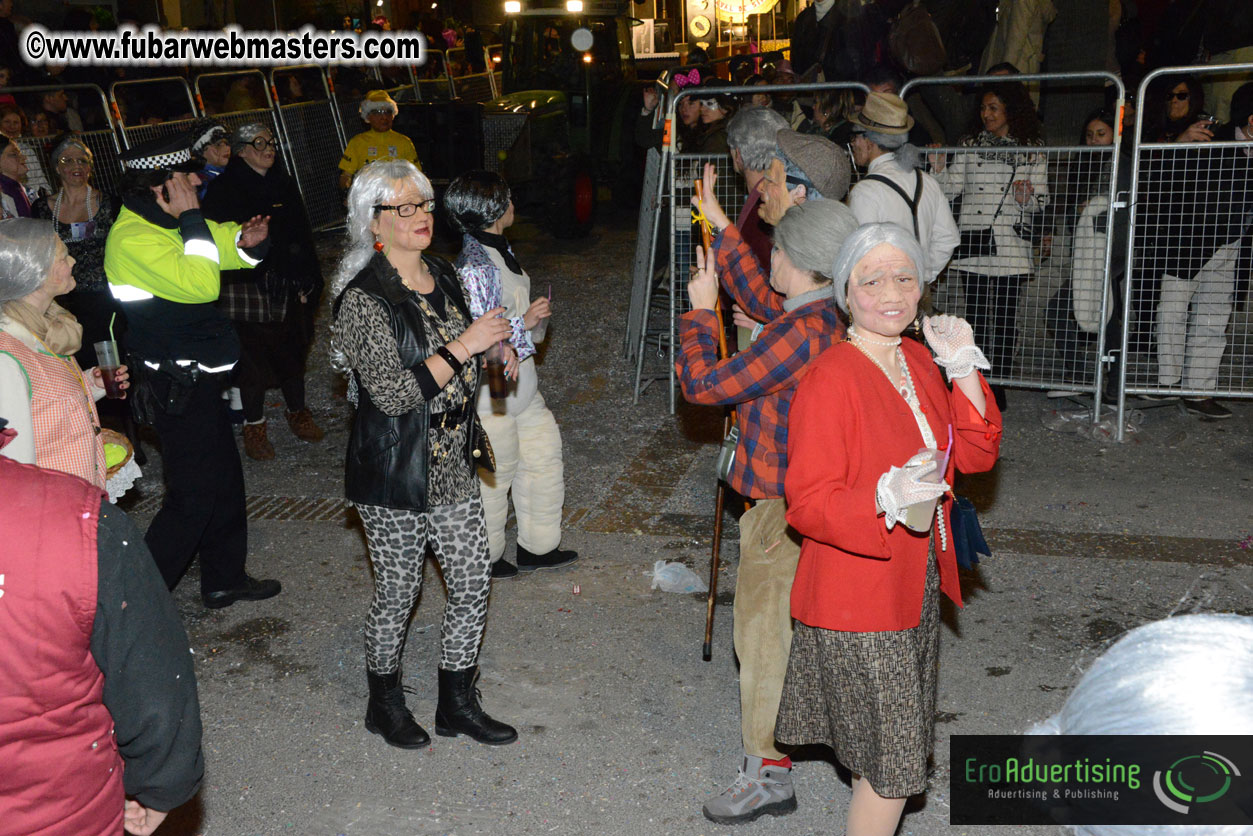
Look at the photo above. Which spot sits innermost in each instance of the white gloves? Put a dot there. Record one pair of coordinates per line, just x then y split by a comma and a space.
953, 342
901, 487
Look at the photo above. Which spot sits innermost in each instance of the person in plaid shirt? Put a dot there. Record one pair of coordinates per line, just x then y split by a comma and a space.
795, 303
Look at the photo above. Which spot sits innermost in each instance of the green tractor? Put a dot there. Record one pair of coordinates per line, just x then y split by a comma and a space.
564, 124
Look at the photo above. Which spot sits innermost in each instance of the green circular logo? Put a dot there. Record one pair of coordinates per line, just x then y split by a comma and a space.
1194, 779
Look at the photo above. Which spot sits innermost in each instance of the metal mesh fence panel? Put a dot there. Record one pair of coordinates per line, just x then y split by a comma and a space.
137, 134
1029, 272
315, 149
106, 170
1037, 225
1189, 328
684, 169
93, 109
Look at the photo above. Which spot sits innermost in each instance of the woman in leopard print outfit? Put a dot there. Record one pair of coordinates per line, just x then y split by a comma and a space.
404, 335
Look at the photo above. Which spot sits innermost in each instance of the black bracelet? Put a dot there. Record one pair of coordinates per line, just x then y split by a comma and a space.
449, 358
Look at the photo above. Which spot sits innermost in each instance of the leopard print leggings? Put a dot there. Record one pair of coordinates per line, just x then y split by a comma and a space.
398, 540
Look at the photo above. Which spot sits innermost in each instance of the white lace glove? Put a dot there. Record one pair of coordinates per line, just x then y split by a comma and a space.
953, 342
901, 487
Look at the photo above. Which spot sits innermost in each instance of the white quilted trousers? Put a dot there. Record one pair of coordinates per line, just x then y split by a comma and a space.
528, 461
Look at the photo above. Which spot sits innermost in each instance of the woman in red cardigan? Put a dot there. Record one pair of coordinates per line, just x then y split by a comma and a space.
877, 547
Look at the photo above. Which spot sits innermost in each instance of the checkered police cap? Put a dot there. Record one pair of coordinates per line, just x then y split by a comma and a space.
163, 153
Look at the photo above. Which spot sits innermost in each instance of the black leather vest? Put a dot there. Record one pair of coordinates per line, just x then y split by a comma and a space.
388, 456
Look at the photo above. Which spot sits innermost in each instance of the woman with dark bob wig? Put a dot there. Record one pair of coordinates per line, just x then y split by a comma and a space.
524, 433
404, 335
1002, 187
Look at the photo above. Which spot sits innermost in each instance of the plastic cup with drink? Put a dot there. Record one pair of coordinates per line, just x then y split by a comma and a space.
497, 383
921, 515
109, 360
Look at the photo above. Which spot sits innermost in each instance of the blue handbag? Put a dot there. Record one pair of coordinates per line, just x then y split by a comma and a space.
968, 540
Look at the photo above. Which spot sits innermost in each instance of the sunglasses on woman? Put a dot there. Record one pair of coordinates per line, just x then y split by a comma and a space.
1181, 97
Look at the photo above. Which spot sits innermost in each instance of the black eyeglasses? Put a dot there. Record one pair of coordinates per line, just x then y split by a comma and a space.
1181, 97
407, 210
261, 143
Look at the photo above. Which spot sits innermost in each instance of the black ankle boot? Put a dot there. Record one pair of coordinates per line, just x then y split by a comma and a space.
386, 714
459, 711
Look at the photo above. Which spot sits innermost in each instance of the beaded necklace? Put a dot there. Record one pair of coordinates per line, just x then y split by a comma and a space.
56, 209
906, 390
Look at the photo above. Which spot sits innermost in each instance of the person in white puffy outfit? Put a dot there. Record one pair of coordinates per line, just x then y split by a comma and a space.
523, 433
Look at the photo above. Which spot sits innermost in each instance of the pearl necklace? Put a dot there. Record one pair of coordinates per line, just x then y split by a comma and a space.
859, 337
56, 209
906, 386
907, 391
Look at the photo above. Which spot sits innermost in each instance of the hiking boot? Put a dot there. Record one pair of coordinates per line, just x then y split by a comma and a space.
301, 423
257, 442
758, 791
1206, 408
528, 562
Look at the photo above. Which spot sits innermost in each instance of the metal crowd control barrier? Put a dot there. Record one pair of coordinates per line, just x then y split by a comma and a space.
313, 137
1191, 212
136, 134
238, 118
495, 55
106, 170
1038, 297
476, 87
428, 84
679, 173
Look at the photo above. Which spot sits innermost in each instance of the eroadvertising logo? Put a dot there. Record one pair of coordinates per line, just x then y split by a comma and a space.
1101, 780
1210, 775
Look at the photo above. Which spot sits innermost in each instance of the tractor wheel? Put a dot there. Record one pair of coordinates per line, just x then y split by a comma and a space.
571, 202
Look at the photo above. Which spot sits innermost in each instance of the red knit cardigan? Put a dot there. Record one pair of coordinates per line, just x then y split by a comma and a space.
847, 426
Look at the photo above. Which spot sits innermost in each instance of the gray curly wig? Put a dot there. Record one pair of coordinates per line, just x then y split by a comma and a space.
858, 245
752, 132
811, 234
376, 183
245, 134
27, 249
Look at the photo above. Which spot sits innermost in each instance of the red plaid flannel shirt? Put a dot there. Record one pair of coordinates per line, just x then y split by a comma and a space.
760, 380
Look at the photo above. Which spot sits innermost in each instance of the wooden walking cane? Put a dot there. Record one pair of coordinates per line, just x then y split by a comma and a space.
728, 422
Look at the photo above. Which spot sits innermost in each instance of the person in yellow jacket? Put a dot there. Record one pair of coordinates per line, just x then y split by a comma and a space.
164, 262
380, 142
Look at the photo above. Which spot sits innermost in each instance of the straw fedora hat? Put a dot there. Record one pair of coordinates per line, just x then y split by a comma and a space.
884, 113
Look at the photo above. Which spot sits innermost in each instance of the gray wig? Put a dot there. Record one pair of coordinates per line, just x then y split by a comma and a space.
752, 132
811, 234
27, 249
858, 245
245, 134
72, 142
1191, 674
907, 155
376, 183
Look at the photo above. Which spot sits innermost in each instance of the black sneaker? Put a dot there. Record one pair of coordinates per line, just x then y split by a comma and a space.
1207, 408
528, 562
504, 569
250, 590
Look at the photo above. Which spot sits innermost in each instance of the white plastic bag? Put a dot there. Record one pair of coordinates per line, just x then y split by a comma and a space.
675, 577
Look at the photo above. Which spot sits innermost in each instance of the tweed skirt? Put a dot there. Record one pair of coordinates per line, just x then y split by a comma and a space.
869, 696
